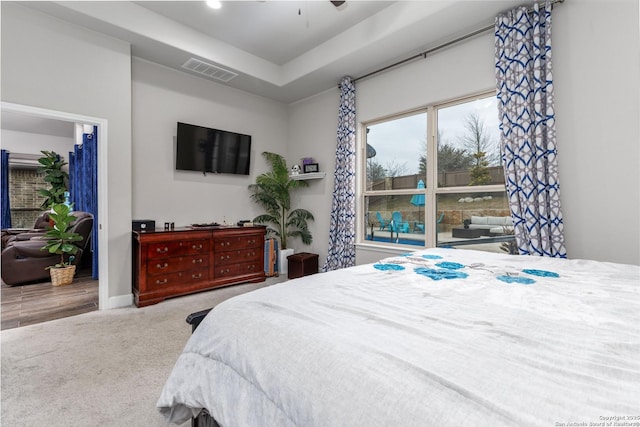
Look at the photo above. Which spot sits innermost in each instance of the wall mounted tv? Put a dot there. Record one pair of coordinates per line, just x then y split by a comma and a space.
212, 150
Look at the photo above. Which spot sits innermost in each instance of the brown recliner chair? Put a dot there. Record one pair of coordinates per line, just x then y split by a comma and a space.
23, 261
40, 225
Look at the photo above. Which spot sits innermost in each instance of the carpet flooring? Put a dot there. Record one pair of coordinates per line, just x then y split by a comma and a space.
103, 368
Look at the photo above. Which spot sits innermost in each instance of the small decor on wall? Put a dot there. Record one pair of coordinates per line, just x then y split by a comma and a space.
295, 170
311, 167
307, 160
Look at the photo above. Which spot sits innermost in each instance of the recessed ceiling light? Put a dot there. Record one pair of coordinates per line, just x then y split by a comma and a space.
214, 4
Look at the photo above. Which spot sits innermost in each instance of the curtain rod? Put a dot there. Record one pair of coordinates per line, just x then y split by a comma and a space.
439, 47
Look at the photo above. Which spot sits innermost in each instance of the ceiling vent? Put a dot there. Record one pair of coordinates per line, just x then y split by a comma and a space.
209, 70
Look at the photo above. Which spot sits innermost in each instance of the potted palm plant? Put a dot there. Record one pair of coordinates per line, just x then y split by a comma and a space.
61, 241
272, 191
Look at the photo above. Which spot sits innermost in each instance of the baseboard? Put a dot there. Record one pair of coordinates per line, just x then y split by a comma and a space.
120, 301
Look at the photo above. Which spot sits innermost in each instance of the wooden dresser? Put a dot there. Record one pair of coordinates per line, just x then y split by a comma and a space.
186, 260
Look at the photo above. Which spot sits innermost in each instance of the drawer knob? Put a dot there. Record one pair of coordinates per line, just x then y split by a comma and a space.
162, 250
197, 246
196, 276
161, 282
197, 261
165, 265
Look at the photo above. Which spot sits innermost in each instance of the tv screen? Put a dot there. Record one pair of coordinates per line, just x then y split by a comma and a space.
212, 150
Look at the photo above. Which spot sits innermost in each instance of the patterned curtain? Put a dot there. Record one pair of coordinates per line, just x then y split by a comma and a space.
83, 185
342, 235
527, 123
4, 191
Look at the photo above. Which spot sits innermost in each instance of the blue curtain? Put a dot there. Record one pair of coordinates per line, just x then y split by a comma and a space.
527, 123
342, 251
74, 176
4, 191
83, 185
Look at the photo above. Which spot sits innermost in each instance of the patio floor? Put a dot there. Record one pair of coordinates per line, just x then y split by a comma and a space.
445, 239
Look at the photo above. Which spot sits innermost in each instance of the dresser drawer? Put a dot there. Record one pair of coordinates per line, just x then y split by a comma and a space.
180, 278
175, 248
238, 242
180, 263
239, 256
221, 271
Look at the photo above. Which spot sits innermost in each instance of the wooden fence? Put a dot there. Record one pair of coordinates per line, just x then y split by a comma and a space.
445, 179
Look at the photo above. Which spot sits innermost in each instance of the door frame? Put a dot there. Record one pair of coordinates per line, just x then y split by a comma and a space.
103, 241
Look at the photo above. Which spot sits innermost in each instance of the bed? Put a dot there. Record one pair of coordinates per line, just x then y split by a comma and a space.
437, 337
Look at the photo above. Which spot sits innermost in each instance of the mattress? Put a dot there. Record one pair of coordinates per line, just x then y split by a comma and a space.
438, 337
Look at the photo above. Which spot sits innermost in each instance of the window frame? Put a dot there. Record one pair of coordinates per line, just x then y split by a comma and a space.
431, 191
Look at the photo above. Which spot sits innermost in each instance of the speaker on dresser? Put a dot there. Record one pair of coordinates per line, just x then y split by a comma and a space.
143, 225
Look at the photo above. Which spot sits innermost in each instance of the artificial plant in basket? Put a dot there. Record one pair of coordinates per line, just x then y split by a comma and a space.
272, 191
61, 241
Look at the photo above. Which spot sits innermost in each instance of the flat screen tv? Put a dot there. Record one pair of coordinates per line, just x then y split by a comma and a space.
212, 150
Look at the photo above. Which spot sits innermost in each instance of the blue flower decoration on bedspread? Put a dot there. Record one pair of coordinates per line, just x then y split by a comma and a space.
441, 273
450, 265
541, 273
517, 279
431, 257
388, 267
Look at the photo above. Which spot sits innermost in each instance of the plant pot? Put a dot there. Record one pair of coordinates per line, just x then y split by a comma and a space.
283, 263
61, 276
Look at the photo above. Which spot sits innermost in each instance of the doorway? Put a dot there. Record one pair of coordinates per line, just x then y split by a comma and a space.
101, 124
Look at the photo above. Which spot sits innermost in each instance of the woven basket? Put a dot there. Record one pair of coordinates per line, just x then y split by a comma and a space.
63, 275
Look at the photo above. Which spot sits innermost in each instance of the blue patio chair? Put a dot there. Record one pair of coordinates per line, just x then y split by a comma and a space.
397, 225
384, 223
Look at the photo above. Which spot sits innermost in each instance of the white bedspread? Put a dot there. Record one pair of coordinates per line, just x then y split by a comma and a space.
377, 346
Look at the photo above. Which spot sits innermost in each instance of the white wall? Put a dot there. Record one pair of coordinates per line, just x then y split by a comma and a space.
596, 69
161, 98
596, 79
33, 143
54, 65
312, 133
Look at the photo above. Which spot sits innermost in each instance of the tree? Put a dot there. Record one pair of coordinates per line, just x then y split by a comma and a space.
451, 158
394, 169
59, 239
480, 148
57, 178
477, 139
272, 191
375, 171
479, 172
422, 158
